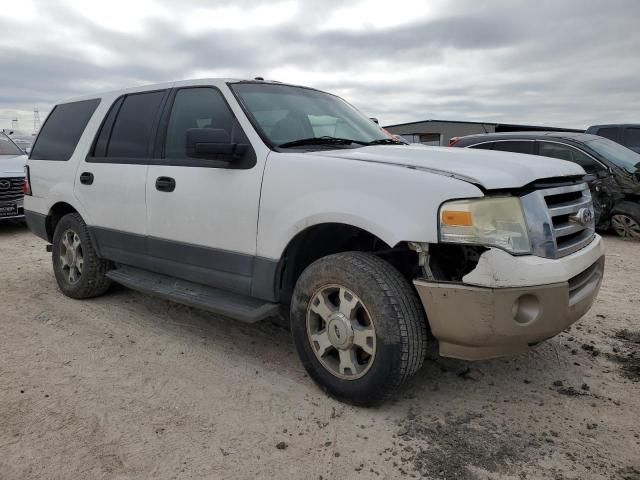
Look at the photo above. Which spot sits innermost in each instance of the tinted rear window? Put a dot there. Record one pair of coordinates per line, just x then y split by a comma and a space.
610, 133
633, 137
62, 130
133, 127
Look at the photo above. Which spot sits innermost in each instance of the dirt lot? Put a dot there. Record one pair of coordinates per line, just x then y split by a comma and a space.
126, 386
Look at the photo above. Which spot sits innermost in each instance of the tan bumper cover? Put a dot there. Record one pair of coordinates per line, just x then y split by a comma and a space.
475, 323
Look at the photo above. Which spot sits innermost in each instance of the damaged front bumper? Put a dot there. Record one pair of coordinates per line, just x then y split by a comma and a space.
504, 312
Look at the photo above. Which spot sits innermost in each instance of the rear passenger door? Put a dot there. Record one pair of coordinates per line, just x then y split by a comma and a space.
202, 214
111, 180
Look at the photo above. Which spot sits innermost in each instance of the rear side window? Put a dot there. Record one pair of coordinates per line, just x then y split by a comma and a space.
483, 146
133, 127
62, 130
633, 138
611, 133
515, 146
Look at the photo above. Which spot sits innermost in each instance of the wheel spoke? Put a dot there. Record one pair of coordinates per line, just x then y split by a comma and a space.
363, 337
72, 274
79, 264
321, 342
76, 242
348, 362
65, 241
63, 261
321, 306
348, 303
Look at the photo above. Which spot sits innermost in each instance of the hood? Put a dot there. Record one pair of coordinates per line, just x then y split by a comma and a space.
12, 166
487, 168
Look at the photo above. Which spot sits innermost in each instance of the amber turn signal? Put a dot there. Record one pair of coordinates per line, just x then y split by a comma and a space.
454, 218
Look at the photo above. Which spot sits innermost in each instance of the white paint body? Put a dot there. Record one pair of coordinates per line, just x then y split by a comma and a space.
393, 192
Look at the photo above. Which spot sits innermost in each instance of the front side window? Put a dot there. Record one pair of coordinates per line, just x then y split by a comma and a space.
7, 147
615, 153
285, 114
62, 130
570, 154
204, 108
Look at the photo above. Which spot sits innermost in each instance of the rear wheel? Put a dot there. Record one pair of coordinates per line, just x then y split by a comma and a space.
358, 326
78, 270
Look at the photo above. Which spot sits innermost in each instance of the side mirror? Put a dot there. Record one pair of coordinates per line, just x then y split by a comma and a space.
209, 143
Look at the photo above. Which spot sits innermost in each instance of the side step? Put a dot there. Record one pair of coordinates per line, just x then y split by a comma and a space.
239, 307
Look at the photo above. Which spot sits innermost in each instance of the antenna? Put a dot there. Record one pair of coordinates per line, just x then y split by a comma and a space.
36, 121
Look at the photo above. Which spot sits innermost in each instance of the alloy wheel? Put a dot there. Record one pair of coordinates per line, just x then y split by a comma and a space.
71, 256
625, 226
341, 332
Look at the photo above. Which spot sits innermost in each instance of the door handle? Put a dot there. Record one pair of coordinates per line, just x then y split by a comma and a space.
86, 178
165, 184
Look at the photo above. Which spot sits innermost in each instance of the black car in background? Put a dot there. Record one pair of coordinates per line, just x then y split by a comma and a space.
624, 134
614, 170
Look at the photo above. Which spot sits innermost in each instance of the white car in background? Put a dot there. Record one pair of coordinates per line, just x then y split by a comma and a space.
12, 162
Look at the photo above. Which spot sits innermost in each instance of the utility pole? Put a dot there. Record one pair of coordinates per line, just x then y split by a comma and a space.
36, 121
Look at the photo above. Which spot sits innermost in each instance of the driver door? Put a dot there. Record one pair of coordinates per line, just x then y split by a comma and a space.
202, 214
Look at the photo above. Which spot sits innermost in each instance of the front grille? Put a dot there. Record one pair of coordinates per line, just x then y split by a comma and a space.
563, 204
11, 190
560, 219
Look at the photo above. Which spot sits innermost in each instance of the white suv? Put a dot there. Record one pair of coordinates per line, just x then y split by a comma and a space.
250, 198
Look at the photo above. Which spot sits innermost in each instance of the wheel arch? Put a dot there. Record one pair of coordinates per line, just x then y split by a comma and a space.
319, 240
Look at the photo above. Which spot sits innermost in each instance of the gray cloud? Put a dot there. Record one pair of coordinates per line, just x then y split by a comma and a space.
568, 63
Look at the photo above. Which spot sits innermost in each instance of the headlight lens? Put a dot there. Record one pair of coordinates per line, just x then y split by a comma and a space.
496, 221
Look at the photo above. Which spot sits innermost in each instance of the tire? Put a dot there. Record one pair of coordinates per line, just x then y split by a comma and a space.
80, 274
384, 302
625, 220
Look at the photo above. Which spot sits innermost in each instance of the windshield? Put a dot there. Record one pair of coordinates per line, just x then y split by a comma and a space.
7, 147
296, 115
616, 153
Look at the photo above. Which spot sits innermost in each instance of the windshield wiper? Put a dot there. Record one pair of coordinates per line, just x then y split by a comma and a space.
386, 141
326, 140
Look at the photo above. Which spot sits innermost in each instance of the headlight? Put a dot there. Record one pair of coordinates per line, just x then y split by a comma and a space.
497, 221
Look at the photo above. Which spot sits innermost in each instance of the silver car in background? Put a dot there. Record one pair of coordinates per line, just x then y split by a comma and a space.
12, 162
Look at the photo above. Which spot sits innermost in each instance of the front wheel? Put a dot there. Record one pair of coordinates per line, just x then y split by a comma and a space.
626, 225
358, 326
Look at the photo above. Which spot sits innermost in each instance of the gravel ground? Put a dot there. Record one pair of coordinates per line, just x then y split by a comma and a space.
127, 386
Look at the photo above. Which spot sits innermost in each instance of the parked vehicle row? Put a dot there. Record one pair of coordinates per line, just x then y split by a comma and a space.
614, 170
249, 198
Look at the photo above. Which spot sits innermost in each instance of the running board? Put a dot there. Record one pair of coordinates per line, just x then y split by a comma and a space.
240, 307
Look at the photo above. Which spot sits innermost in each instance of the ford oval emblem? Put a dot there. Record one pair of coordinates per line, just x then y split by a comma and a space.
584, 216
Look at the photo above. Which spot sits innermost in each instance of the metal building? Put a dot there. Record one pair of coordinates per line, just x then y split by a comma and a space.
439, 132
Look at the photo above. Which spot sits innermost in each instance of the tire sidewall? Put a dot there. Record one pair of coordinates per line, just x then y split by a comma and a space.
73, 223
384, 371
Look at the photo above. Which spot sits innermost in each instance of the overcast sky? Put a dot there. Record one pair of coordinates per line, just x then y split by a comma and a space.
556, 63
